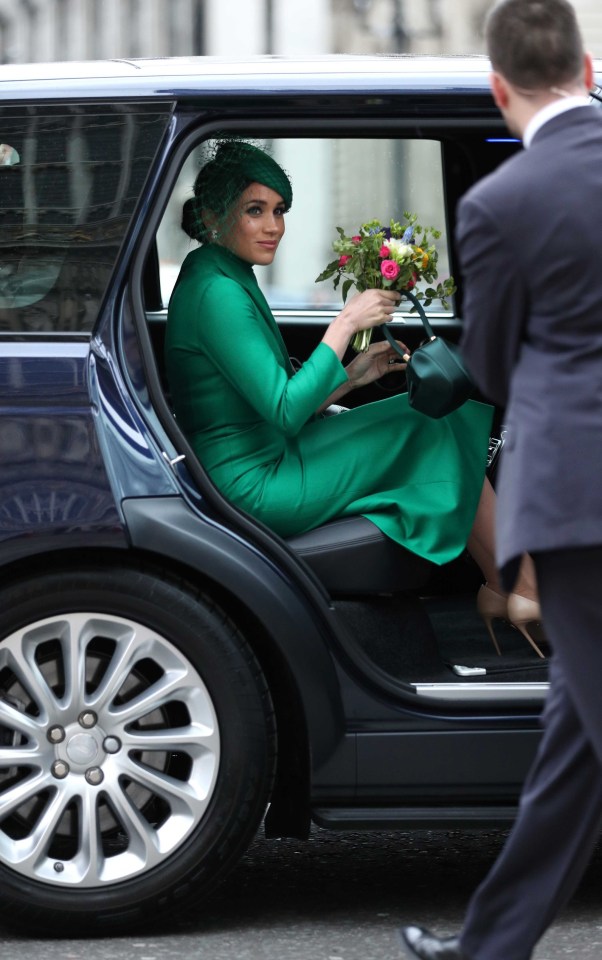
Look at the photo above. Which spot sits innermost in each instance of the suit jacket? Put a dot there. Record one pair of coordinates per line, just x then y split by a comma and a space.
530, 245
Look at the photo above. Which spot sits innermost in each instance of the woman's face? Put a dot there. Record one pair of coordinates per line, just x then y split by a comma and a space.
255, 225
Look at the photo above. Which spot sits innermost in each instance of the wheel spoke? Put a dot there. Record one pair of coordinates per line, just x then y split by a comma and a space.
73, 644
193, 740
20, 757
20, 660
155, 697
89, 860
180, 795
14, 719
31, 850
17, 795
124, 657
142, 837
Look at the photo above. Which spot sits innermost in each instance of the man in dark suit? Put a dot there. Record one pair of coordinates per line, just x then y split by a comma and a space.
531, 257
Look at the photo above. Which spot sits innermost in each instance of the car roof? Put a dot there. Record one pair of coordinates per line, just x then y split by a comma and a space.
188, 77
182, 77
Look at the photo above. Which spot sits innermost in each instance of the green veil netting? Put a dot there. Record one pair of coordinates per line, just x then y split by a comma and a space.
225, 176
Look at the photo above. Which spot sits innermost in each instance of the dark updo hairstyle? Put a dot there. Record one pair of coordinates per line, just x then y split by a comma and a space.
220, 182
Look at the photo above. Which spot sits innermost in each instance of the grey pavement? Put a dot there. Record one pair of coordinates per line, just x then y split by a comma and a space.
336, 897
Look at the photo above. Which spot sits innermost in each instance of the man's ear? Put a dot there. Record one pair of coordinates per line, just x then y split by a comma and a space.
588, 71
499, 89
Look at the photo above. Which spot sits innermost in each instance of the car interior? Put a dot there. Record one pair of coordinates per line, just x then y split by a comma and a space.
405, 620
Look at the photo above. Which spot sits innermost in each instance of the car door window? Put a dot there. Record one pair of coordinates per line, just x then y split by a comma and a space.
336, 182
70, 180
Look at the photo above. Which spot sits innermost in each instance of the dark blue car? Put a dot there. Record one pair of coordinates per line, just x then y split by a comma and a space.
170, 669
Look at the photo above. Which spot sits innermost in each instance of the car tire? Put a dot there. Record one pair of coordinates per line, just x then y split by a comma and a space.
137, 748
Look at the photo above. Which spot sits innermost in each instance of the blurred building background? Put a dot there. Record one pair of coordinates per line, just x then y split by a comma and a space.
321, 169
40, 30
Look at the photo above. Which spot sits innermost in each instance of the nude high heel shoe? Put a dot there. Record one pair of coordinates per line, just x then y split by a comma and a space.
522, 611
491, 606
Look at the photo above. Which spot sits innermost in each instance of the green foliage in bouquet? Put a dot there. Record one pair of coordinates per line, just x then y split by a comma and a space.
396, 257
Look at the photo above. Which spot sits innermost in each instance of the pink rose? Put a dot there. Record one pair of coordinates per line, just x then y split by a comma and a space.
356, 239
389, 269
343, 259
384, 251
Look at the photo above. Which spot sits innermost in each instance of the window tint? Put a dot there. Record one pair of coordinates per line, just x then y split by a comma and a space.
70, 179
336, 182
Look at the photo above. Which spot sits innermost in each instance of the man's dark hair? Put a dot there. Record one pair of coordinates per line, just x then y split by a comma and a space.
534, 43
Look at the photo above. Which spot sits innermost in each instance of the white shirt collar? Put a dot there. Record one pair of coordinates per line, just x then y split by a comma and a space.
548, 112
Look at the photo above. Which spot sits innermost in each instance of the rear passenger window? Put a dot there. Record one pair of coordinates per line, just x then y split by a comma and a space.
336, 182
70, 180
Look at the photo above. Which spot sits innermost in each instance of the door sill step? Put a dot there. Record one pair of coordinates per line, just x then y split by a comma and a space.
425, 818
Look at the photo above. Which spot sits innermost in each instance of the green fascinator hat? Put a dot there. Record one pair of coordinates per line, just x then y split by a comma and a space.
221, 181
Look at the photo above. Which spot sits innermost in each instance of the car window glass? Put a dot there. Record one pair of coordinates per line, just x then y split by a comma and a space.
336, 182
70, 179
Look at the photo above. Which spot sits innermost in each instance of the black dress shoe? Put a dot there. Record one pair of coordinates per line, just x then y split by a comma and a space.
422, 944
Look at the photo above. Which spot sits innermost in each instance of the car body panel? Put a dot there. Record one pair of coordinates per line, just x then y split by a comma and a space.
55, 492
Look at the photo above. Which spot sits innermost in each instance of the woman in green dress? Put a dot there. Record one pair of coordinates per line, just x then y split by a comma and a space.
255, 424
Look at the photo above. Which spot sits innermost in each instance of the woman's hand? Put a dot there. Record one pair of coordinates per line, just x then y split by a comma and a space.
368, 309
376, 362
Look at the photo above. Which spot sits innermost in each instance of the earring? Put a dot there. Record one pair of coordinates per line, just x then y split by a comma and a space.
214, 235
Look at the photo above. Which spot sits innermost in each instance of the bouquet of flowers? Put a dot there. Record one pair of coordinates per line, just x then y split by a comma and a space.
396, 257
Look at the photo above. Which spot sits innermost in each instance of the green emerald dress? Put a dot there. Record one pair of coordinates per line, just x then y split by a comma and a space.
252, 423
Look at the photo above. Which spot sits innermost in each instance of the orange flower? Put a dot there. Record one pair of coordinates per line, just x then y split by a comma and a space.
425, 257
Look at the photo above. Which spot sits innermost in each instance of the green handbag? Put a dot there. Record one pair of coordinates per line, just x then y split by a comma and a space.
437, 379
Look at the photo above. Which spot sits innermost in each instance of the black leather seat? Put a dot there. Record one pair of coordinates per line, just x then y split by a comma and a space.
352, 557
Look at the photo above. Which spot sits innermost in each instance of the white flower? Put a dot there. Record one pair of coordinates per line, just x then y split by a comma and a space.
400, 251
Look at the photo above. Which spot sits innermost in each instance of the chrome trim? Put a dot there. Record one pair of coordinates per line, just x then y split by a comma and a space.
485, 693
285, 317
445, 319
54, 349
48, 336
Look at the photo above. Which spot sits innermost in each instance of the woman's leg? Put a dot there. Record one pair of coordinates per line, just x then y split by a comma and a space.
526, 583
481, 546
481, 542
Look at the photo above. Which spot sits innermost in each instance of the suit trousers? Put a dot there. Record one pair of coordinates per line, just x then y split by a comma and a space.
560, 811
